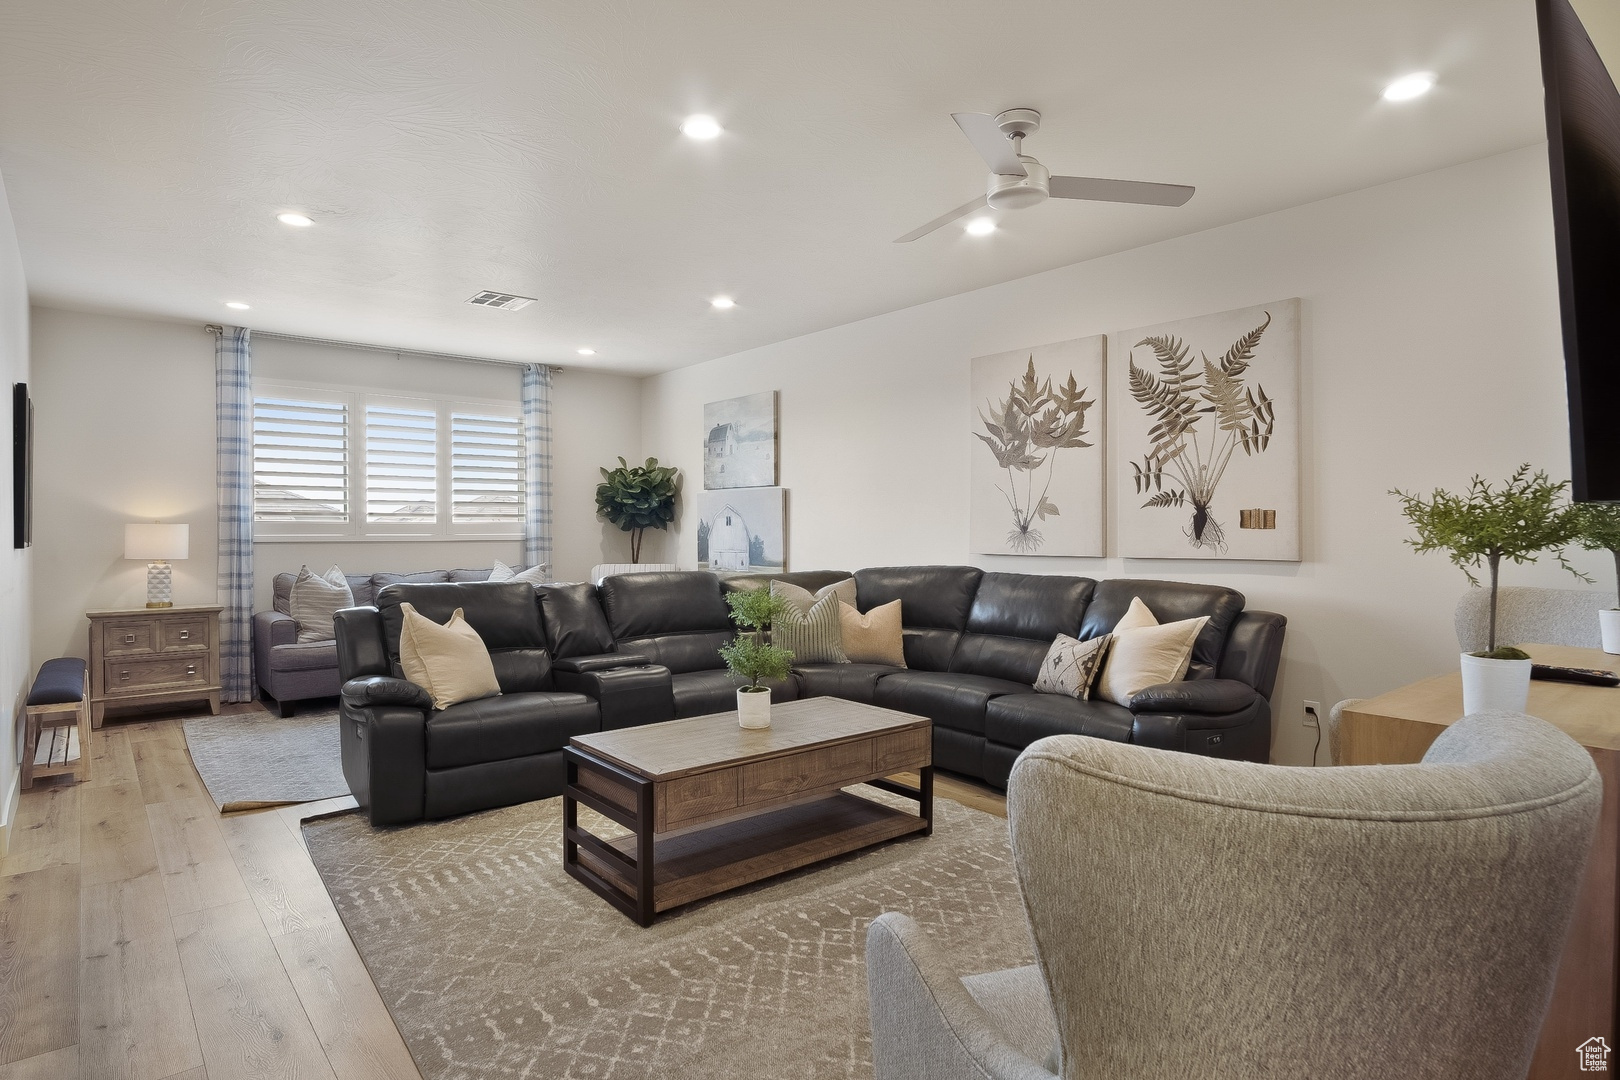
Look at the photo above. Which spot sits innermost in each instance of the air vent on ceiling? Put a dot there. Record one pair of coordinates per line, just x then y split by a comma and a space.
504, 301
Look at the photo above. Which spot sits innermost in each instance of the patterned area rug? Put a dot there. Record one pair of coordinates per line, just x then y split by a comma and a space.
249, 760
494, 963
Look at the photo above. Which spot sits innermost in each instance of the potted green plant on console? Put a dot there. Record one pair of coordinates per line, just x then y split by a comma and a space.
1600, 531
752, 657
1515, 521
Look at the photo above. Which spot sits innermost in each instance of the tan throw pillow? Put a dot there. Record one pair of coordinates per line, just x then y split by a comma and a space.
315, 598
450, 662
1071, 665
873, 638
815, 636
1145, 654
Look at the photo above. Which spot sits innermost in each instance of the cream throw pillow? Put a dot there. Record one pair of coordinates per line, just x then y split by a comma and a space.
450, 662
315, 598
873, 638
1145, 654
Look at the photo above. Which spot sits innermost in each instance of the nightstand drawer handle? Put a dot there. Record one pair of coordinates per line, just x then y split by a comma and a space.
123, 676
191, 669
185, 635
129, 639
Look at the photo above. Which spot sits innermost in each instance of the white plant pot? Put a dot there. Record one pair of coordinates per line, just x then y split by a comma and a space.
1494, 685
1609, 623
753, 709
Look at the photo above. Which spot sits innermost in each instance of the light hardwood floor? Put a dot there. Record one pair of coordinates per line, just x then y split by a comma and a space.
143, 936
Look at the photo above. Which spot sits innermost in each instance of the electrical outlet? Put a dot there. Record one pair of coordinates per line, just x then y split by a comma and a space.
1313, 713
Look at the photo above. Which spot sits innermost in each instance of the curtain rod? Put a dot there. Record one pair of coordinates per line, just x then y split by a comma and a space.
216, 329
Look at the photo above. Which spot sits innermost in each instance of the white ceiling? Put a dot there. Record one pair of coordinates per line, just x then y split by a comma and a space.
450, 146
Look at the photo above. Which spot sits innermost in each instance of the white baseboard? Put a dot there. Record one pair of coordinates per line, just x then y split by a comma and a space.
14, 792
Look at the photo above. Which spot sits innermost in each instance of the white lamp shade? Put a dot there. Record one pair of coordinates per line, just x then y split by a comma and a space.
157, 543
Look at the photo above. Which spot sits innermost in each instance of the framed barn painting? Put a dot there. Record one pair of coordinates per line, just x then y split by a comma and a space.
739, 442
1036, 463
1206, 429
741, 529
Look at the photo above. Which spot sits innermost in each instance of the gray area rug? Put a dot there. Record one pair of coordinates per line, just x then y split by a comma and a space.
494, 963
249, 760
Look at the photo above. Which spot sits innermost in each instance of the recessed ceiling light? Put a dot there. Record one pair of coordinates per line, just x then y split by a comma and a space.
981, 226
299, 220
700, 126
1410, 86
236, 305
723, 302
586, 352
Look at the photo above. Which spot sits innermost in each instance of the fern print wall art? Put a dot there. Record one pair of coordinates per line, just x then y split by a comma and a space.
1206, 415
1036, 462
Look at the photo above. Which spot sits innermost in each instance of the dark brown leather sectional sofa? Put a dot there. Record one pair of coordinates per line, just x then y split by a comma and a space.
643, 648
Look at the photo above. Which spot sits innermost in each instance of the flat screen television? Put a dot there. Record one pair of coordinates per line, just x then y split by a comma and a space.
1583, 143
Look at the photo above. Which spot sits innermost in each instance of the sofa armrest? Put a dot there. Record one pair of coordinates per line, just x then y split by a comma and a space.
385, 690
273, 628
627, 696
1208, 696
600, 662
925, 1024
384, 750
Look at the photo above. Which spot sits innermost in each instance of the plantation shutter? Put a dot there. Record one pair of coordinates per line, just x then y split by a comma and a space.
402, 483
300, 460
486, 469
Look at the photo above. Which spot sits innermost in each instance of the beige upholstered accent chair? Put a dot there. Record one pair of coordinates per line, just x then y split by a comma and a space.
1527, 615
1195, 917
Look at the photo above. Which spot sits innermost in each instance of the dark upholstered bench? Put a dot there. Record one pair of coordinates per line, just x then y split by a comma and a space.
57, 738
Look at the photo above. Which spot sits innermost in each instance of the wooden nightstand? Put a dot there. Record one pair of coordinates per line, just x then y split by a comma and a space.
148, 656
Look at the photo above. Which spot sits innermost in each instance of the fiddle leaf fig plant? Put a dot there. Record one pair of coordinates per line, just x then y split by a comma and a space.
751, 656
1600, 531
1516, 520
637, 498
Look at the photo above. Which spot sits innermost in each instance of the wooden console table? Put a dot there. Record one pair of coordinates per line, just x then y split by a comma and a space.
1397, 728
152, 656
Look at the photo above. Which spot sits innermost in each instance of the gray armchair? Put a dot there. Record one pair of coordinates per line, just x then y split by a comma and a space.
1527, 615
1226, 920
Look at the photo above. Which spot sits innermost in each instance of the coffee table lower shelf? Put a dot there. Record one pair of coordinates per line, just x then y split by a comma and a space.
690, 865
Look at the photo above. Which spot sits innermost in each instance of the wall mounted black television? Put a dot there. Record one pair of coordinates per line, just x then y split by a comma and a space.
1583, 144
22, 466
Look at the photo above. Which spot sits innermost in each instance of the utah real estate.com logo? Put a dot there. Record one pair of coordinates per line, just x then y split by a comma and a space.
1594, 1054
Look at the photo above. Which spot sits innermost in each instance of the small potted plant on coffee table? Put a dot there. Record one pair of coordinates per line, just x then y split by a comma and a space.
752, 657
1600, 531
1525, 515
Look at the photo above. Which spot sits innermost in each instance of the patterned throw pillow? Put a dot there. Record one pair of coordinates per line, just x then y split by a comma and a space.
1071, 666
314, 599
534, 575
815, 636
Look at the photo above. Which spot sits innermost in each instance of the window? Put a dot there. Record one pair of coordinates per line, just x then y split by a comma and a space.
338, 463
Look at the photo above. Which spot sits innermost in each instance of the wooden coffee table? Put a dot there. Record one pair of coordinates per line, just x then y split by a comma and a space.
711, 806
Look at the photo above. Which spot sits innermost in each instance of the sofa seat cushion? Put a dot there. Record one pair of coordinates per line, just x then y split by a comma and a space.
949, 700
305, 656
510, 726
1019, 719
699, 693
853, 682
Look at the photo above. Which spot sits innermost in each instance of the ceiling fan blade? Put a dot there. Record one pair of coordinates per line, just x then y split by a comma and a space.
944, 219
987, 138
1122, 191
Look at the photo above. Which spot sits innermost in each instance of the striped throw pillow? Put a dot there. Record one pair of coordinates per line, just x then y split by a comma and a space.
315, 598
814, 637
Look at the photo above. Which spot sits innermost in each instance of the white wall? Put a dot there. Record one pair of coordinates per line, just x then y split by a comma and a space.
1430, 352
15, 566
125, 411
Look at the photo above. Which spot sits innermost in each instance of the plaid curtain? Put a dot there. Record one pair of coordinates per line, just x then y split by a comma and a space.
233, 411
537, 465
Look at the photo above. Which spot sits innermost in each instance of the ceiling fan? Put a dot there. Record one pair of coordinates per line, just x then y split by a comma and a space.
1018, 180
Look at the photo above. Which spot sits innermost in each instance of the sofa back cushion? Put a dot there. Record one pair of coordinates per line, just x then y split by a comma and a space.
1170, 601
1014, 620
934, 604
506, 617
573, 618
676, 617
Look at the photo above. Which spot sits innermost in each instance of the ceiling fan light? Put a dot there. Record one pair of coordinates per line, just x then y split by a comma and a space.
980, 226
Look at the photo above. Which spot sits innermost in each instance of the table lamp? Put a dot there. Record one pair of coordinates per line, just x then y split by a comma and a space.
156, 545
